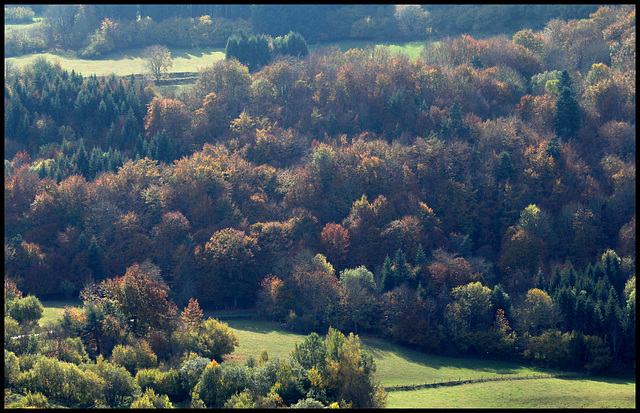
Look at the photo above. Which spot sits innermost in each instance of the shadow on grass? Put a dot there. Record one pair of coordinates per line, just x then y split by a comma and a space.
260, 327
610, 380
196, 53
379, 349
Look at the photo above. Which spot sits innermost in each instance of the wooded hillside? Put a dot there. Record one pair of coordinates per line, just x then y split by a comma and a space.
479, 200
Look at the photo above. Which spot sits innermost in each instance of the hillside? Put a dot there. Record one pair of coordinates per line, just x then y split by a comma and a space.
475, 199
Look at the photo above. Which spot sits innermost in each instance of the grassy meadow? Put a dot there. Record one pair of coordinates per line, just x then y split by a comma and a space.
540, 393
52, 310
127, 62
398, 366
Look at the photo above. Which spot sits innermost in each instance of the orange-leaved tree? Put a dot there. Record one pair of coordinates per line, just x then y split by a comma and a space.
141, 296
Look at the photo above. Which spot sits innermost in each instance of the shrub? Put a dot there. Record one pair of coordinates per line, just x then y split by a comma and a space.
26, 310
134, 357
31, 400
207, 386
151, 400
308, 403
11, 367
162, 382
19, 42
119, 386
63, 382
11, 331
190, 372
212, 339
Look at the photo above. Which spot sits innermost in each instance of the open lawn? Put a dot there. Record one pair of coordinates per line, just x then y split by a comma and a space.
409, 49
127, 62
395, 365
52, 309
538, 393
400, 366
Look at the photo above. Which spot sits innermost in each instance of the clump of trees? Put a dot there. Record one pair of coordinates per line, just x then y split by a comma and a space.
257, 51
127, 347
18, 14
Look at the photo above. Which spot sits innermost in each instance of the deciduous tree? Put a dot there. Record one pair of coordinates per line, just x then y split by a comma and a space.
157, 60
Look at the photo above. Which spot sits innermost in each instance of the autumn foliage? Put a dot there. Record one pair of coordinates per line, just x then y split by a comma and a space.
493, 174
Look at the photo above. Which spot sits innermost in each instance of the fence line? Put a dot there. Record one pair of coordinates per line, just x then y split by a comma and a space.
450, 382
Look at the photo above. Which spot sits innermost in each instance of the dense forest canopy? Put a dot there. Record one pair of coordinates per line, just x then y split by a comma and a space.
478, 200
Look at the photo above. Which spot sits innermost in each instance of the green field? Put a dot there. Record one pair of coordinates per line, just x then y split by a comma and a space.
539, 393
126, 63
395, 365
52, 310
400, 366
130, 61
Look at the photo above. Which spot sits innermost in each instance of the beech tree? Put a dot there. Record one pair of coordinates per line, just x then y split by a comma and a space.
157, 60
141, 295
357, 289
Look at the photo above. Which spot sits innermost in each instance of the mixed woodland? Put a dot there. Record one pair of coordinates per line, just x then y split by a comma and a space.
477, 201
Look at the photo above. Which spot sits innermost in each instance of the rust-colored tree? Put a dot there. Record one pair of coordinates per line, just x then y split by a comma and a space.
335, 239
142, 297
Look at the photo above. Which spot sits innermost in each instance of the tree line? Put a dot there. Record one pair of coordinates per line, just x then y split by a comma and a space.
479, 199
95, 30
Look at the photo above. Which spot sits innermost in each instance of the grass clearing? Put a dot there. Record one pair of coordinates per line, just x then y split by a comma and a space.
409, 49
539, 393
52, 309
395, 365
398, 366
256, 336
126, 62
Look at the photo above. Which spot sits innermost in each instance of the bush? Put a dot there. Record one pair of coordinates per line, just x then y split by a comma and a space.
161, 382
63, 382
134, 357
31, 400
206, 389
70, 350
26, 310
11, 331
212, 339
308, 403
11, 367
191, 371
23, 41
119, 386
151, 400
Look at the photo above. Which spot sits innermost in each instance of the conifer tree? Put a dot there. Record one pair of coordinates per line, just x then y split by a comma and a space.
566, 119
95, 258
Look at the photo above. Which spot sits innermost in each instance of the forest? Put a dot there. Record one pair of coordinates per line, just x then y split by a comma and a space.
477, 201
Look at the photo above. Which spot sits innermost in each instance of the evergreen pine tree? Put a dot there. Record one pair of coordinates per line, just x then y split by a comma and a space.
401, 270
95, 259
421, 257
553, 148
387, 279
566, 119
505, 169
